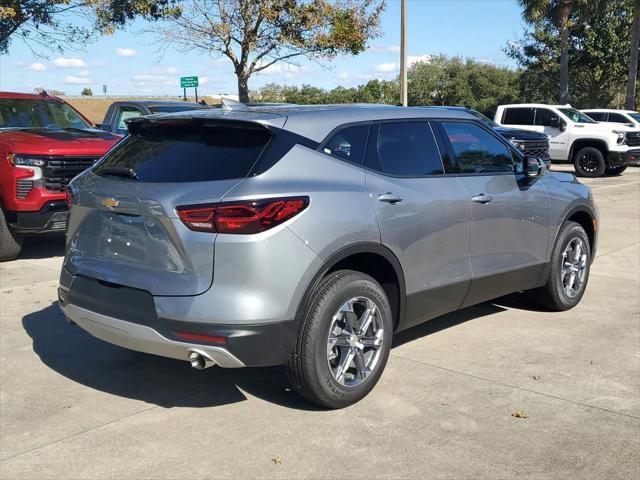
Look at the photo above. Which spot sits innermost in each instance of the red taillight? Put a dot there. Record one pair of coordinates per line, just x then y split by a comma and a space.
252, 216
197, 337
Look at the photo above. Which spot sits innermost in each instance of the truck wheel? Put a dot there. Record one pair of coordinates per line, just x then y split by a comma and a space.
344, 340
569, 272
615, 169
10, 242
589, 162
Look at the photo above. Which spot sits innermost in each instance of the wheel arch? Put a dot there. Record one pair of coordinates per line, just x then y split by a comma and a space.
372, 259
586, 219
589, 142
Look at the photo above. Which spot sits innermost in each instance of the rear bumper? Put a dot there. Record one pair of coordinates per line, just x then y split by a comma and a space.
127, 317
627, 158
52, 217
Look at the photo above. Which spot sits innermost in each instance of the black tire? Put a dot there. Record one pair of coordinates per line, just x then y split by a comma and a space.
589, 162
615, 169
553, 295
10, 242
309, 369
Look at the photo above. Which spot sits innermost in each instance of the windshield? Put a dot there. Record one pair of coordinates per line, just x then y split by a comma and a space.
577, 116
26, 113
635, 116
483, 118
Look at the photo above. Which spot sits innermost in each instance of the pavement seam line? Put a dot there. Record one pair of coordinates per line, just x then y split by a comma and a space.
616, 250
497, 382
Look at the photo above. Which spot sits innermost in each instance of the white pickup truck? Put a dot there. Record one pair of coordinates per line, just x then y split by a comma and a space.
594, 148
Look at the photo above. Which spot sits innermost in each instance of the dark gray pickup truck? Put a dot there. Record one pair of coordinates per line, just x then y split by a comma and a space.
118, 112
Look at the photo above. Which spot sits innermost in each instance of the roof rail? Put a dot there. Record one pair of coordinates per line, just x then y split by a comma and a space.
230, 104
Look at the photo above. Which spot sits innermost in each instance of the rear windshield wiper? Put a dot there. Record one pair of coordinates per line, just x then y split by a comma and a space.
125, 172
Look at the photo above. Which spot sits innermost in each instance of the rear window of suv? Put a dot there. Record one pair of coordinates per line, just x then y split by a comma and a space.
185, 153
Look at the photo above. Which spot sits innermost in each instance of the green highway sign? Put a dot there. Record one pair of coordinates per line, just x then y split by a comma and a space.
188, 82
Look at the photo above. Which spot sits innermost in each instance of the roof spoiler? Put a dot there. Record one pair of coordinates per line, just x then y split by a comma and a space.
229, 104
134, 125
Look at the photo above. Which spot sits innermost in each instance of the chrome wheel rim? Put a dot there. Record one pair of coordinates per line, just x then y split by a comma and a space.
574, 267
354, 343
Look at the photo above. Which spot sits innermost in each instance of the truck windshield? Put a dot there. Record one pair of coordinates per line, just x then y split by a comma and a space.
27, 113
577, 116
486, 120
635, 116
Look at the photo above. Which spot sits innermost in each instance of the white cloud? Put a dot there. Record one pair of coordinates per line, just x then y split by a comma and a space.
384, 49
126, 52
204, 80
285, 69
343, 75
386, 67
68, 62
418, 58
76, 80
157, 76
36, 67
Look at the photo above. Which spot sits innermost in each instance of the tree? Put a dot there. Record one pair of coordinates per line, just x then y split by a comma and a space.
598, 54
559, 12
45, 23
454, 81
629, 102
256, 34
86, 92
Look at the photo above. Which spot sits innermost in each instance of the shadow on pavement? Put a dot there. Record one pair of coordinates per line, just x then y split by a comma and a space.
75, 354
42, 246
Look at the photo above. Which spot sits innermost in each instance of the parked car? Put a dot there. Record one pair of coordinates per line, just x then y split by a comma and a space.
44, 143
119, 112
594, 148
628, 117
307, 236
533, 144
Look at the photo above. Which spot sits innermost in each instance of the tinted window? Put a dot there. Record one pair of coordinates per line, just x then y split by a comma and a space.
187, 154
27, 113
349, 143
544, 116
476, 150
405, 149
599, 116
518, 116
617, 118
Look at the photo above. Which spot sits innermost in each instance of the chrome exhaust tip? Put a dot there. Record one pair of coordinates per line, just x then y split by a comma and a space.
200, 360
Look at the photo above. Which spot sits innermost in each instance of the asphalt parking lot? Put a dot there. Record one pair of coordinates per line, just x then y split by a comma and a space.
75, 407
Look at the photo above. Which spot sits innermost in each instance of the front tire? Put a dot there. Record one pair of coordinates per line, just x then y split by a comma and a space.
589, 162
344, 340
10, 242
615, 169
569, 272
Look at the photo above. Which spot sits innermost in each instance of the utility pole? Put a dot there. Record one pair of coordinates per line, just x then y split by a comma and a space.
403, 53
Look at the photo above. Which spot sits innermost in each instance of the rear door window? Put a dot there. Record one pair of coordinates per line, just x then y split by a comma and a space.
186, 153
518, 116
406, 149
348, 144
617, 118
476, 150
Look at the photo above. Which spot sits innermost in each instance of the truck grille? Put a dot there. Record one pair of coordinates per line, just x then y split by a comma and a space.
633, 139
538, 148
60, 170
23, 187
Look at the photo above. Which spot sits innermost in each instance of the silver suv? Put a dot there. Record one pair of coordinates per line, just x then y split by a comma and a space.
307, 236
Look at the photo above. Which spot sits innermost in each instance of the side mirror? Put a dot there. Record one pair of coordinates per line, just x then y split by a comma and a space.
534, 167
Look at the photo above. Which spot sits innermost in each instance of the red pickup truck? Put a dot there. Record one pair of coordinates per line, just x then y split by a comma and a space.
44, 143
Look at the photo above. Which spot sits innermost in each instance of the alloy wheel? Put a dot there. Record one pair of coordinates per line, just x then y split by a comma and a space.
354, 342
574, 267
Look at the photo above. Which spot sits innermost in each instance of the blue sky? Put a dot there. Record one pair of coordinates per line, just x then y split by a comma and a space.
129, 63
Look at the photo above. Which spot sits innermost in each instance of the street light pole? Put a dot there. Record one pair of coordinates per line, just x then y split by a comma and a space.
403, 53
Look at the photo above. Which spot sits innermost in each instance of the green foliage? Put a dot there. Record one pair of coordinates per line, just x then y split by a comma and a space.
44, 24
599, 49
256, 34
86, 92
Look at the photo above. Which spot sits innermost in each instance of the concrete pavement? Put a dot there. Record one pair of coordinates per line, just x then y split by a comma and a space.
72, 406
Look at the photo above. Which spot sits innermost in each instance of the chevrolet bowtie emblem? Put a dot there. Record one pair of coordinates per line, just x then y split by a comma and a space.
110, 202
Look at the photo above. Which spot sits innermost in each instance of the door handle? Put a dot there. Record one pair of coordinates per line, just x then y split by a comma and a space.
389, 197
482, 198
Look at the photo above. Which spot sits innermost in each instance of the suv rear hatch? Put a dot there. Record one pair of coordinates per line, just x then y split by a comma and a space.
123, 226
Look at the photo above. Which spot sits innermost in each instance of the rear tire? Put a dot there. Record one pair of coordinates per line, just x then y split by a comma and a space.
589, 162
569, 272
10, 242
341, 350
615, 169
